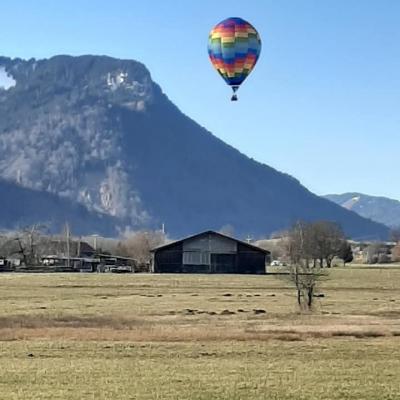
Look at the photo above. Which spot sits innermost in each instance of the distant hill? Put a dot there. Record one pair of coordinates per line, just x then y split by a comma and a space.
98, 132
379, 209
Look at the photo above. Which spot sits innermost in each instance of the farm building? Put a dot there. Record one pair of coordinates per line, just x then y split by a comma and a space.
210, 252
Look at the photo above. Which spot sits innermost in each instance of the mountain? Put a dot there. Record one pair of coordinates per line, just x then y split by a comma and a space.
379, 209
98, 132
21, 207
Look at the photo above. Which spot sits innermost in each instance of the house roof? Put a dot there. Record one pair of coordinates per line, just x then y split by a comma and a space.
85, 247
164, 246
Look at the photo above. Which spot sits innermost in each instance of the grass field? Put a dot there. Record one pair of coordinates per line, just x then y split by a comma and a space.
90, 336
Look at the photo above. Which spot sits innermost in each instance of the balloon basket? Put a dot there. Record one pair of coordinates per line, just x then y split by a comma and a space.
234, 90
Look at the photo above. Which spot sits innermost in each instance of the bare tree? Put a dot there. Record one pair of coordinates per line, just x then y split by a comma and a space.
28, 241
4, 245
276, 247
322, 241
138, 245
277, 250
304, 272
326, 240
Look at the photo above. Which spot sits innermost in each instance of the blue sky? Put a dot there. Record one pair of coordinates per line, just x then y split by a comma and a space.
322, 103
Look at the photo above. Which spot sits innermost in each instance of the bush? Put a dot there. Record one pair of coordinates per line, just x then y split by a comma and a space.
384, 258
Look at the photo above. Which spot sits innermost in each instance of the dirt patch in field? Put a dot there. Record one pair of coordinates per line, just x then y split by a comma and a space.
224, 328
386, 313
43, 321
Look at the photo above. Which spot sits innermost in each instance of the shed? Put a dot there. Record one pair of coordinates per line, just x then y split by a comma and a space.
210, 252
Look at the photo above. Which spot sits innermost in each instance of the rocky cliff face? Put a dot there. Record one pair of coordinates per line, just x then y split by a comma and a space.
22, 207
98, 132
58, 132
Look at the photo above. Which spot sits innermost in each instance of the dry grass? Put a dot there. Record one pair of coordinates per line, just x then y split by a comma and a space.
329, 369
188, 307
67, 336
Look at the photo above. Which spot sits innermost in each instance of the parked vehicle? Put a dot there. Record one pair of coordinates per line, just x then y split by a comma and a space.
278, 263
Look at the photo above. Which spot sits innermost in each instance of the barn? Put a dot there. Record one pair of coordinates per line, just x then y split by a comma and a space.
209, 252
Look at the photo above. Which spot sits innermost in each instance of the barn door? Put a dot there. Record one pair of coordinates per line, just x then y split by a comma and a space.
223, 263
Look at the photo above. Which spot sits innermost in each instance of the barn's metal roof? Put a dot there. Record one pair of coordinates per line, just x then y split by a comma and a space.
164, 246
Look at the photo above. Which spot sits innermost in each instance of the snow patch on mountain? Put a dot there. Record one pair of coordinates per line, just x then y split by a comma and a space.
6, 80
350, 203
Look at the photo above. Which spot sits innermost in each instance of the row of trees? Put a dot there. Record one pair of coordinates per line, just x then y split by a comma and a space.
31, 243
28, 244
317, 243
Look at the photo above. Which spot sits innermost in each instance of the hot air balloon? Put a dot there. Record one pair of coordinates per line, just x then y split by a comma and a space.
234, 46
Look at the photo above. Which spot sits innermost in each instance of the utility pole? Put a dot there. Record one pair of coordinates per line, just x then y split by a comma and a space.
67, 234
78, 249
95, 236
209, 253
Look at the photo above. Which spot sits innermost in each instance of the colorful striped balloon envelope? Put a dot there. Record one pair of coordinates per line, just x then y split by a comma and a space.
234, 46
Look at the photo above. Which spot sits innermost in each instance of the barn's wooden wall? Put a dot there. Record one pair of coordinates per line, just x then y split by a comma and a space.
250, 261
209, 253
169, 259
211, 243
